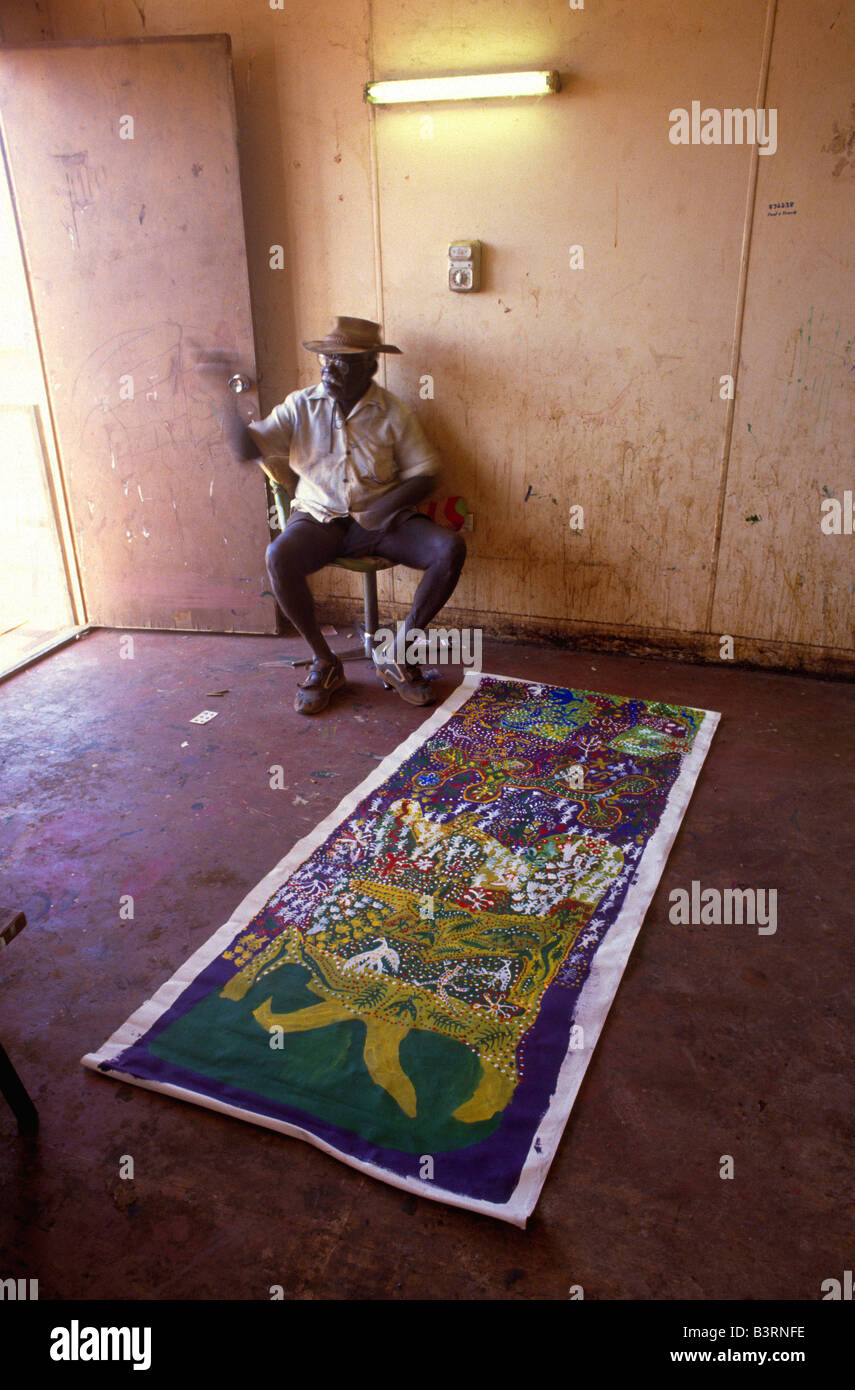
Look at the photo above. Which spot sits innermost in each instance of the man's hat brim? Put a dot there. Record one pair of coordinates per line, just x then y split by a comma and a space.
338, 350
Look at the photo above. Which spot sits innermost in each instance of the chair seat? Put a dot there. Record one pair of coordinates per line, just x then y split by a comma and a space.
365, 564
454, 510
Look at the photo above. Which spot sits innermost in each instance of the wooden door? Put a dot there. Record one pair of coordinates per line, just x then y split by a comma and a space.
123, 163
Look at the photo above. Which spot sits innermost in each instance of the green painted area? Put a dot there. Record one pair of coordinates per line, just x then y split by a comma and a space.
322, 1071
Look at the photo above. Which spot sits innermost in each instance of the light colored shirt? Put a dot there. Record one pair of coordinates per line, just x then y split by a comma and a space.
341, 466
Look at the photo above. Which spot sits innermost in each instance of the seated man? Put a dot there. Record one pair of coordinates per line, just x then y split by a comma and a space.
355, 462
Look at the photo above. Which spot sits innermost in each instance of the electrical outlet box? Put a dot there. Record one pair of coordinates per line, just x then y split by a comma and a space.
464, 266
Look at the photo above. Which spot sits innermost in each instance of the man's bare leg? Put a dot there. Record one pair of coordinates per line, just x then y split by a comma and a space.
420, 544
303, 547
423, 545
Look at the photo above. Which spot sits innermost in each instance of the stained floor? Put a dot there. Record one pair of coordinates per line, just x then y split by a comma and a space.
721, 1041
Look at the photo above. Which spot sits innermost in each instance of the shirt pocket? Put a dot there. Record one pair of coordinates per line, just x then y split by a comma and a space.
379, 462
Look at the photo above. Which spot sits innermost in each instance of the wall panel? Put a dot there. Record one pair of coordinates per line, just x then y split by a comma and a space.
780, 577
557, 386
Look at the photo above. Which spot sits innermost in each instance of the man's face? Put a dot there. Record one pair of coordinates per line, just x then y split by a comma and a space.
347, 376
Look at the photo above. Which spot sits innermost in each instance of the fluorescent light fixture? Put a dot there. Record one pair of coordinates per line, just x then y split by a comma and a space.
493, 84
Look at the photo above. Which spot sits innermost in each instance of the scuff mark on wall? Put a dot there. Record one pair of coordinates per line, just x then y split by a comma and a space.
842, 143
660, 357
820, 366
80, 185
596, 417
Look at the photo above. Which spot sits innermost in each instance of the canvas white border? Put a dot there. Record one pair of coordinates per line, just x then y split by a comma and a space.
594, 1001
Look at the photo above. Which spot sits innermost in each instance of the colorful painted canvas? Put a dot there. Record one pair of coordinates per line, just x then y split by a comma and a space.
418, 986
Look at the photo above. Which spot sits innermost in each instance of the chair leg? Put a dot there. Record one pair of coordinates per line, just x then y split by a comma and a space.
372, 618
13, 1089
371, 622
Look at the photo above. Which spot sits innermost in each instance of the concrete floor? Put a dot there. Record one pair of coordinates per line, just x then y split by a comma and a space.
720, 1041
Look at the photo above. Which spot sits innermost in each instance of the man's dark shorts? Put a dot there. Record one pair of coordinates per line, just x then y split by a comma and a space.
354, 541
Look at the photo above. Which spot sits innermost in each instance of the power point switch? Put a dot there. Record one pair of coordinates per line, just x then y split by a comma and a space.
464, 266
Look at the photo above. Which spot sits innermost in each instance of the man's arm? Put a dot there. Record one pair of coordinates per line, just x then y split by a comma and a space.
419, 472
270, 439
216, 368
266, 442
245, 447
236, 435
407, 494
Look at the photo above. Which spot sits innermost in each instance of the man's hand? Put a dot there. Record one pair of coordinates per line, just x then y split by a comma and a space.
238, 439
380, 514
216, 369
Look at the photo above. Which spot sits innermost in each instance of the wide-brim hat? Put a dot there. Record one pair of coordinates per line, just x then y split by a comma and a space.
351, 335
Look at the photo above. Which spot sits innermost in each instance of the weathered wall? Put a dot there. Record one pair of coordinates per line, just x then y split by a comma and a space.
553, 386
558, 385
24, 21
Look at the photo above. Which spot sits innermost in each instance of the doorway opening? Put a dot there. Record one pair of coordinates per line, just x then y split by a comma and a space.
41, 603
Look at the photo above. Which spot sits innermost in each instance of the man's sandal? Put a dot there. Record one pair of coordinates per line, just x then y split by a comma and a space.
405, 677
321, 683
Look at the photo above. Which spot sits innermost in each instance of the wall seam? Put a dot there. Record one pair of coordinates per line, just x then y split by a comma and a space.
739, 313
379, 301
375, 188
